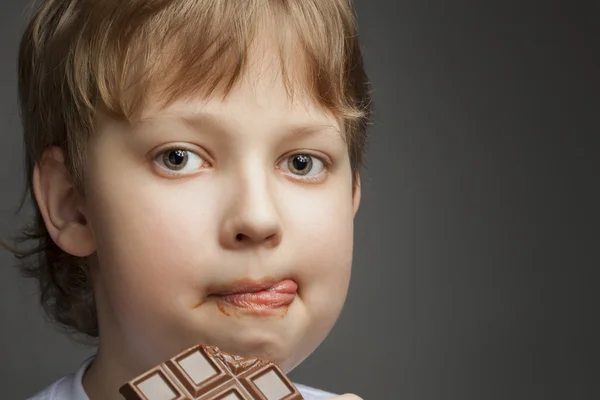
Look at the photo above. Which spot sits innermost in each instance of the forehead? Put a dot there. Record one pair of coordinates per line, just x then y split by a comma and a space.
260, 94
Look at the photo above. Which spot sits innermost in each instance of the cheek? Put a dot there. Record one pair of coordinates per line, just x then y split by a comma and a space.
322, 242
146, 241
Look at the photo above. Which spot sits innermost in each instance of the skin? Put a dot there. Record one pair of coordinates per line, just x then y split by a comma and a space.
161, 239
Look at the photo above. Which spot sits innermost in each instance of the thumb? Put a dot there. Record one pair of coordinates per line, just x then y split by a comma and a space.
346, 396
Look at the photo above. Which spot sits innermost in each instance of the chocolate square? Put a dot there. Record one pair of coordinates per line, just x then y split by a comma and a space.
207, 373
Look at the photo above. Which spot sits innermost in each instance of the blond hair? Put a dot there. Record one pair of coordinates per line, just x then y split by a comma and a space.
79, 55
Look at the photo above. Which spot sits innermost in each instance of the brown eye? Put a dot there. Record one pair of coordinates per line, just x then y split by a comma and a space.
179, 161
304, 167
175, 159
300, 164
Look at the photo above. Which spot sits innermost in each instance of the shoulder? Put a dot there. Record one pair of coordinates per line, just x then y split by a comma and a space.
66, 388
53, 391
310, 393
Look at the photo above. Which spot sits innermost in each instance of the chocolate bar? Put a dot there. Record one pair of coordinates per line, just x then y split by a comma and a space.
207, 373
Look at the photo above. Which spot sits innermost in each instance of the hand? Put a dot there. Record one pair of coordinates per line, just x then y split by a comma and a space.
346, 396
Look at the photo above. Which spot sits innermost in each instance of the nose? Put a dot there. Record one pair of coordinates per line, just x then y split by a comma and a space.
252, 218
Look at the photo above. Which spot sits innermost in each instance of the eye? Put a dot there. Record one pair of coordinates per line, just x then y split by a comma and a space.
304, 167
179, 161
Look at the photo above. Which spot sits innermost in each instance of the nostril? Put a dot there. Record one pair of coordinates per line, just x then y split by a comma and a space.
239, 237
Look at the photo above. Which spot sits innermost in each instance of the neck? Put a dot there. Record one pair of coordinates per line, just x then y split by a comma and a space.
116, 362
103, 379
114, 365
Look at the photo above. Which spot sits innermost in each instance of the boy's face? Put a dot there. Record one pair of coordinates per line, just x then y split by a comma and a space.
206, 198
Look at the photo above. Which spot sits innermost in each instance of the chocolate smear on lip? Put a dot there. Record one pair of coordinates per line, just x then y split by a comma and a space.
222, 308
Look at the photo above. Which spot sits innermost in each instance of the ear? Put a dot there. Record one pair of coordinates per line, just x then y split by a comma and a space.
61, 205
356, 193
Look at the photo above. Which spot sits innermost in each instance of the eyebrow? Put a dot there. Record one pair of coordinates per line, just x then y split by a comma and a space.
206, 121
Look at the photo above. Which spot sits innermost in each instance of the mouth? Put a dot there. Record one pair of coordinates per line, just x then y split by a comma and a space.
256, 295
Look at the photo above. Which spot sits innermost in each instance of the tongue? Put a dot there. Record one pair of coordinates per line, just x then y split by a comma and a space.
287, 286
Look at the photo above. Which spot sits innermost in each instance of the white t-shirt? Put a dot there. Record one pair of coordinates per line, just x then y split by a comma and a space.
70, 388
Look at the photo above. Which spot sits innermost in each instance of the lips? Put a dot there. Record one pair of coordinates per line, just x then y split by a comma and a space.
257, 295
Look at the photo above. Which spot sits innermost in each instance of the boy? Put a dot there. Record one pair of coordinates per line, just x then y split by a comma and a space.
194, 165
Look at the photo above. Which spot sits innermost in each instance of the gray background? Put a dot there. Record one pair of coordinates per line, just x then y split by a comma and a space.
478, 235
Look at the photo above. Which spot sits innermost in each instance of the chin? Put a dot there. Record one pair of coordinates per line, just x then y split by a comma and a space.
260, 344
266, 347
